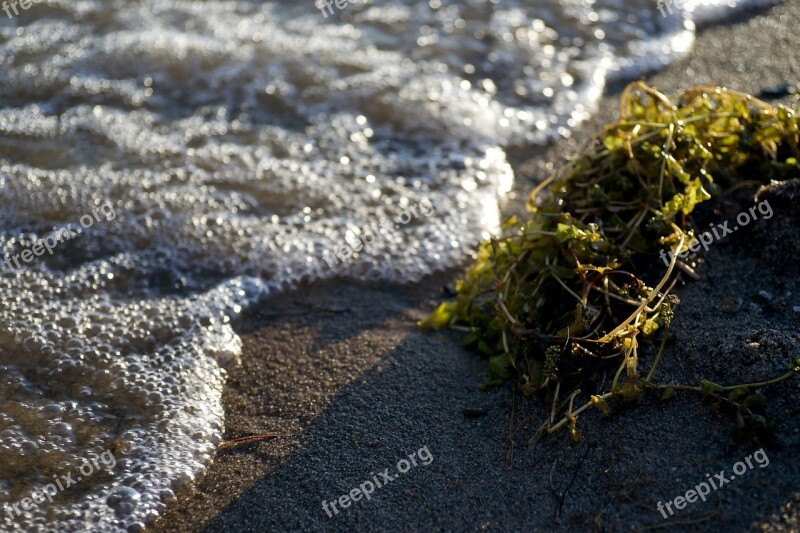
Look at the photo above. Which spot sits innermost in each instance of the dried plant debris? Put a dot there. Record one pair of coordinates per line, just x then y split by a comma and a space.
572, 295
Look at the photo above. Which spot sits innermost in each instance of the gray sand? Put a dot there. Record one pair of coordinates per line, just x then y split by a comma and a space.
343, 367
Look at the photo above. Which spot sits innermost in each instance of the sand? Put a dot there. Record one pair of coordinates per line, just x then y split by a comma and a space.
343, 368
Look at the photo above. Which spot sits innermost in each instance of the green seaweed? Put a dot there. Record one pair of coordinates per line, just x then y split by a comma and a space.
559, 300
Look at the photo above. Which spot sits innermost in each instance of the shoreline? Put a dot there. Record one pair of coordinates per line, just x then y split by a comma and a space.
343, 366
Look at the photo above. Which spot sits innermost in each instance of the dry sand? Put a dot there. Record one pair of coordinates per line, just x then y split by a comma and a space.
343, 367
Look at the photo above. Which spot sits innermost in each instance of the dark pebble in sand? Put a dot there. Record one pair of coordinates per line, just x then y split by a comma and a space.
473, 412
765, 296
732, 304
778, 91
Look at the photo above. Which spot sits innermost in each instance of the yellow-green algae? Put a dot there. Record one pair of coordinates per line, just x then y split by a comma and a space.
573, 291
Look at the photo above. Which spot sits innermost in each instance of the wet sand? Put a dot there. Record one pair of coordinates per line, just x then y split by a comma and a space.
343, 368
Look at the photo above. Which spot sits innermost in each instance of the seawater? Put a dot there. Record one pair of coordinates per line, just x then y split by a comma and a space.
237, 141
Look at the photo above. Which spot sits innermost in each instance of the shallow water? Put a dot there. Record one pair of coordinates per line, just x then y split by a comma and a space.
237, 143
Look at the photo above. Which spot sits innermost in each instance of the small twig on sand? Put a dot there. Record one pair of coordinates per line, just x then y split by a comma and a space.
563, 495
252, 438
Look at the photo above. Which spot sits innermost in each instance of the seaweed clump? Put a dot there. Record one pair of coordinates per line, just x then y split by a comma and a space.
567, 297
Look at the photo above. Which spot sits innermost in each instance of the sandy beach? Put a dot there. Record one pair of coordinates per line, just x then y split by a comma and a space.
342, 370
